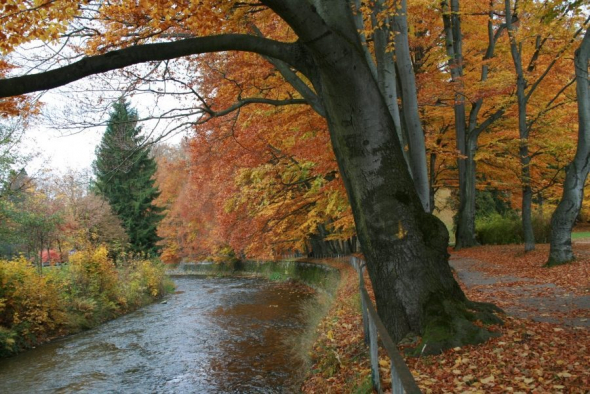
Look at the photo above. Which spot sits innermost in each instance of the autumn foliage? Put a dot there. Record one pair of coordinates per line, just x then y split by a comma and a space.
89, 290
261, 179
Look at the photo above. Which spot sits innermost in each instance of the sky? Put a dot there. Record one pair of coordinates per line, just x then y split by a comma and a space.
58, 143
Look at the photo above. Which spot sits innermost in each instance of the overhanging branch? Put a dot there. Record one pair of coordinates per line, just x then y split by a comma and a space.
145, 53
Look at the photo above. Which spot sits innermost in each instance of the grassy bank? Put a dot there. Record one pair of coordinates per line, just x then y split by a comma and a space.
79, 295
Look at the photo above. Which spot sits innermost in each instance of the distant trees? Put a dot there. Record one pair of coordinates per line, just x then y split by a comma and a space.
124, 172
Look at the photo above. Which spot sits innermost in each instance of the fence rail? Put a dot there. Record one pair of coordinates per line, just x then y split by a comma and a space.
402, 380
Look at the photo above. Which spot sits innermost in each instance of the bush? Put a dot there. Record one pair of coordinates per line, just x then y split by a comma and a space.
79, 295
30, 305
502, 230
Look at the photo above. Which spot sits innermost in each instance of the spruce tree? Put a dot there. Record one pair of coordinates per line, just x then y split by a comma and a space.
124, 173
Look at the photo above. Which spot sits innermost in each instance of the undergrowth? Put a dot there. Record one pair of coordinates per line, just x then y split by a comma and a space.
87, 291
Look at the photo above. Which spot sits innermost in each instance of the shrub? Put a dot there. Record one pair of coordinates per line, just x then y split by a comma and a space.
501, 230
30, 305
80, 295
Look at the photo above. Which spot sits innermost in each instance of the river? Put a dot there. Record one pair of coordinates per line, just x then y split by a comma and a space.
214, 335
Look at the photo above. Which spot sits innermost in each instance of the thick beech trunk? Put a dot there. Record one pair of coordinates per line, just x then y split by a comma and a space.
405, 247
565, 214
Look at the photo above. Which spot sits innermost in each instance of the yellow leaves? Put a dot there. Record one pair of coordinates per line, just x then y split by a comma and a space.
24, 21
489, 380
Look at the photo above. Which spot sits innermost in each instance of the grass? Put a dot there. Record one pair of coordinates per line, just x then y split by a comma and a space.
581, 234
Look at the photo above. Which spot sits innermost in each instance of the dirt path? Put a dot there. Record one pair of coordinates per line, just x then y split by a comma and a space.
523, 297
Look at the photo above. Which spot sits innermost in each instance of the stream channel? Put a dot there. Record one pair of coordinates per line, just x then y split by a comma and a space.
214, 335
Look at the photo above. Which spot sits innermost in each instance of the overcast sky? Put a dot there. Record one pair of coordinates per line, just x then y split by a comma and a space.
59, 143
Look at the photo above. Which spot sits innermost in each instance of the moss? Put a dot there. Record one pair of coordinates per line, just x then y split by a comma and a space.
552, 262
452, 323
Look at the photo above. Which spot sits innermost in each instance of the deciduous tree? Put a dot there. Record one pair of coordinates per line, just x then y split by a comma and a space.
405, 247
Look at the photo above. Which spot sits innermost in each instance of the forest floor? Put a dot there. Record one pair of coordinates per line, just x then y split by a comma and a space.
544, 345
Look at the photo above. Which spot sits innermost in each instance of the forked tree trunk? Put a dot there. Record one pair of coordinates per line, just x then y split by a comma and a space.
467, 134
565, 214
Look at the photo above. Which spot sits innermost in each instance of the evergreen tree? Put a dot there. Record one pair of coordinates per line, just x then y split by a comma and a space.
124, 173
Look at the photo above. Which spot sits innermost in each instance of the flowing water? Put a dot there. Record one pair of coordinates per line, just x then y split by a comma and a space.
214, 335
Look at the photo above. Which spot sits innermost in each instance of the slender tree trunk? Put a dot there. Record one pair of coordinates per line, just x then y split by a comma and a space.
417, 145
523, 132
527, 201
467, 210
465, 230
568, 209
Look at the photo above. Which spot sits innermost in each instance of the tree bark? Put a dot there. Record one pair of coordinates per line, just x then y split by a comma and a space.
405, 247
465, 230
468, 133
567, 210
417, 145
523, 132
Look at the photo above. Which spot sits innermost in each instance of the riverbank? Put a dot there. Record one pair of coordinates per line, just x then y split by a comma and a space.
212, 335
82, 294
318, 275
331, 347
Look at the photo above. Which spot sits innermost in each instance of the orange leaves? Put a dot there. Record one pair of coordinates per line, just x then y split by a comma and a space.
25, 20
529, 357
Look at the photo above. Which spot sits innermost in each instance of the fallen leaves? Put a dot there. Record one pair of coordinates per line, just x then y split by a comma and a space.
529, 357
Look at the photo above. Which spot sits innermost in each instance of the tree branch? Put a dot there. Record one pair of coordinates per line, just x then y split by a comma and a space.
145, 53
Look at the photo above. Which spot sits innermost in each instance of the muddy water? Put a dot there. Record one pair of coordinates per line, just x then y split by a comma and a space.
220, 335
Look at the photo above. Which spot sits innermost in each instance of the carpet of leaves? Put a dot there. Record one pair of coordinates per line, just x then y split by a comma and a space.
511, 260
528, 357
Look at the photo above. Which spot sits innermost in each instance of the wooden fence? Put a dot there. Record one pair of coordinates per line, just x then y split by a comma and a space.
402, 380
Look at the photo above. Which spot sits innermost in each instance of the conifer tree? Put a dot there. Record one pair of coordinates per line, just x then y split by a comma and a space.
124, 173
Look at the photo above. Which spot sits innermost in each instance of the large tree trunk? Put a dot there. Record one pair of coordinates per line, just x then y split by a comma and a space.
565, 214
405, 247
